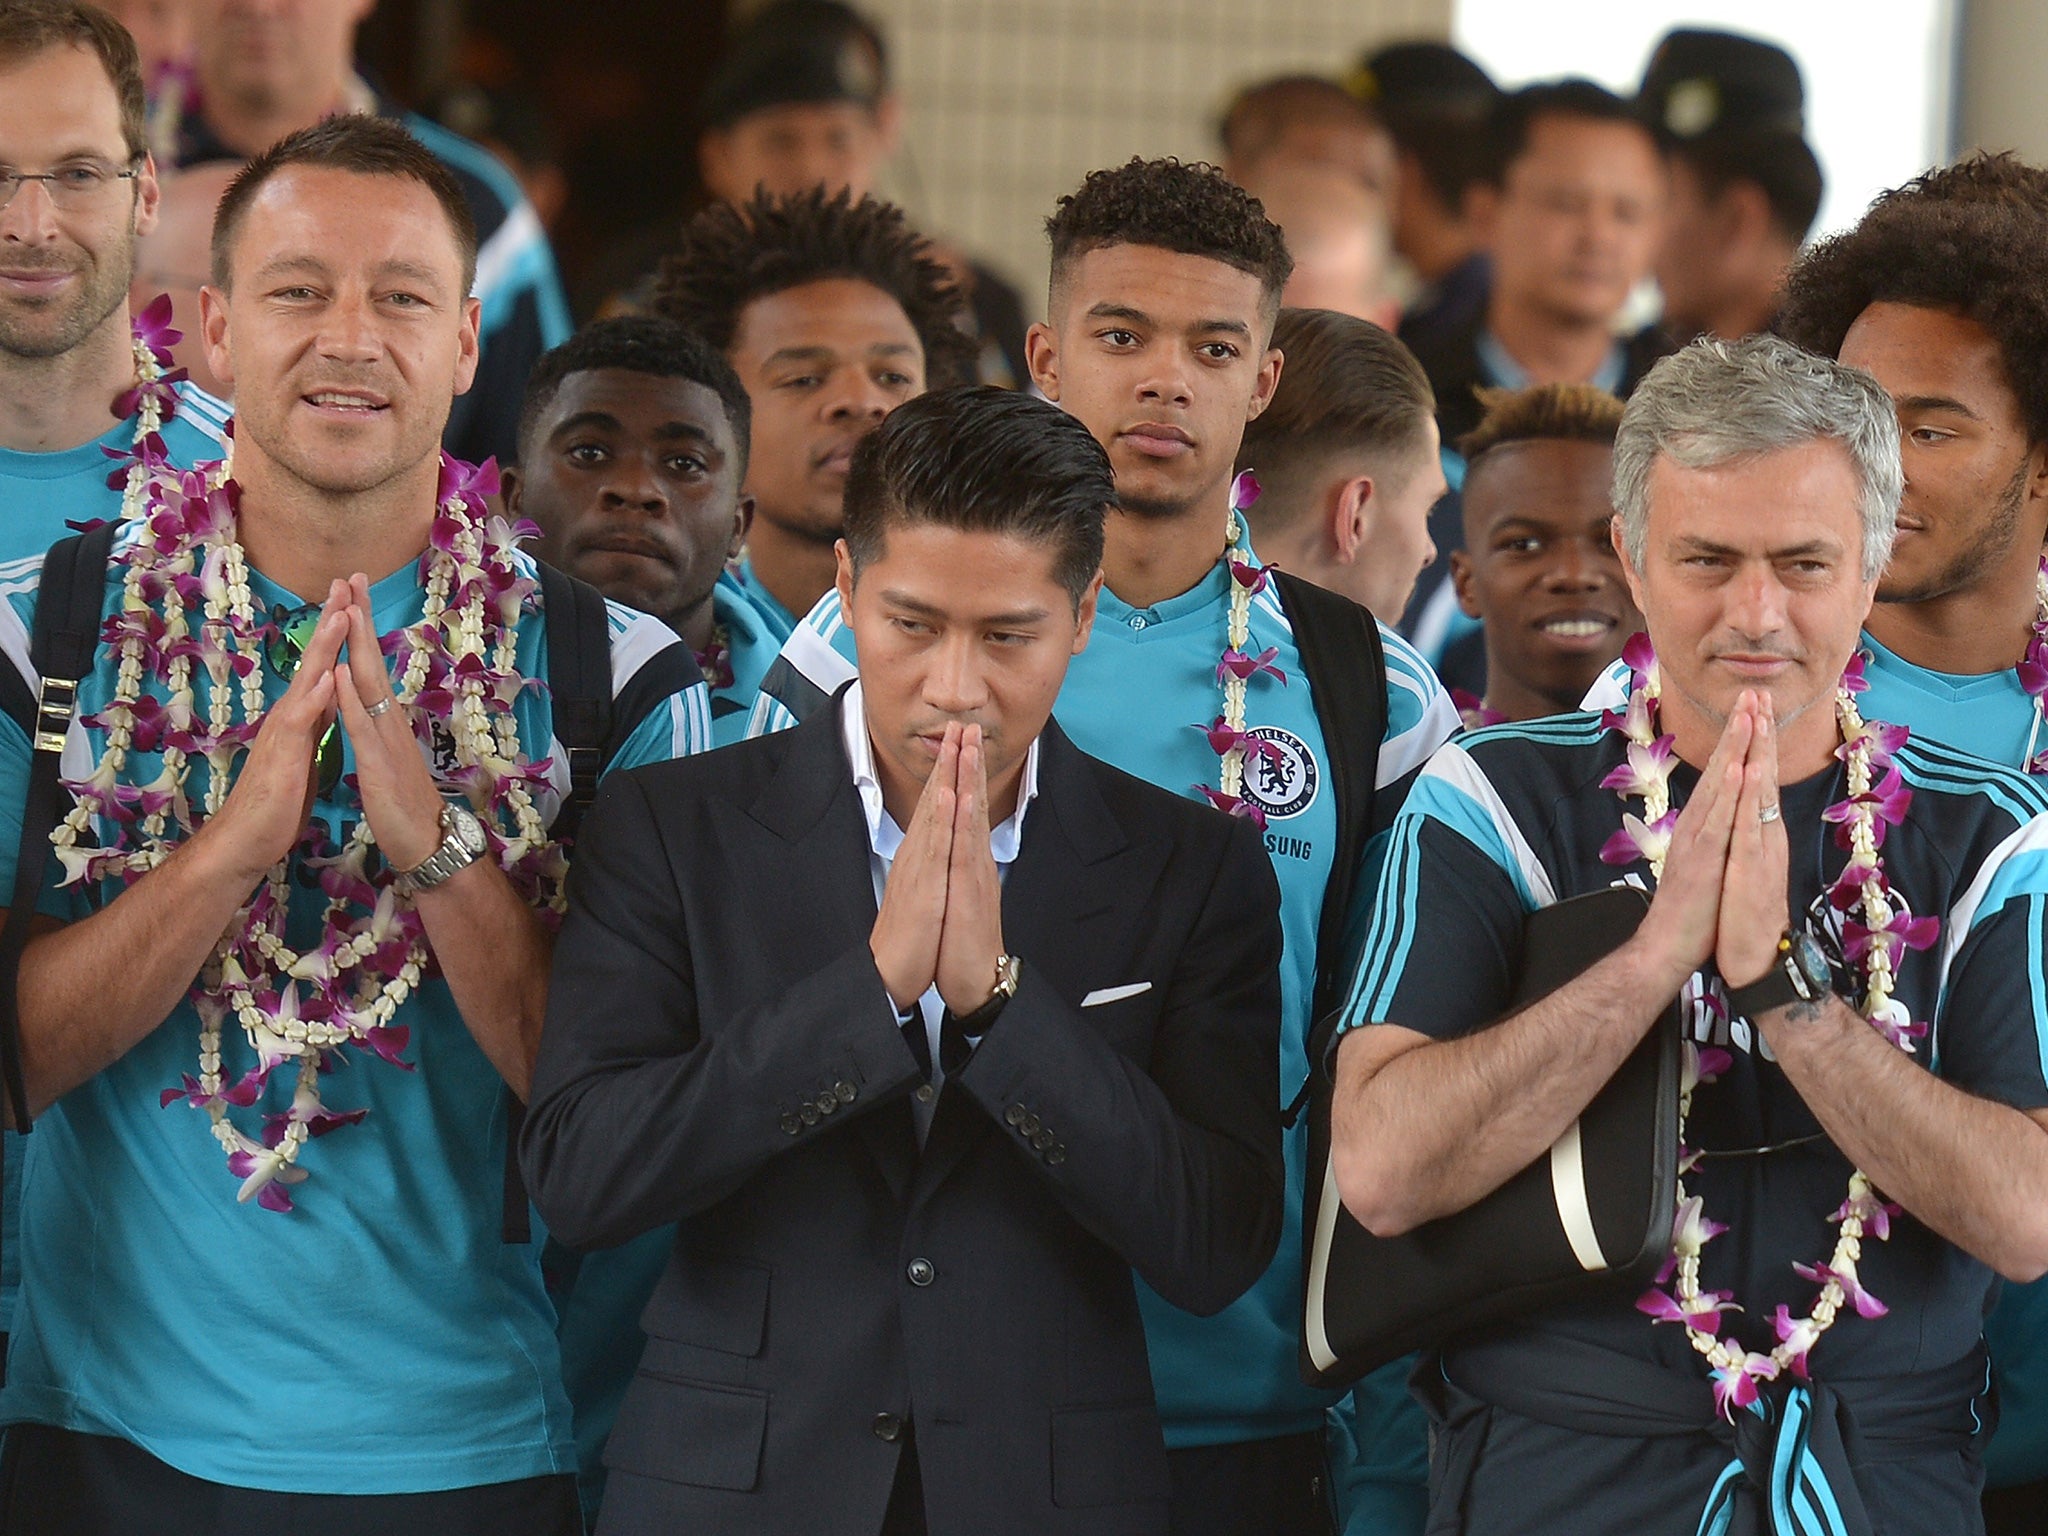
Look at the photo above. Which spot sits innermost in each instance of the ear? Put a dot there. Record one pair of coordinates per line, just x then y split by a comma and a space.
843, 577
1629, 573
1461, 583
1085, 615
213, 334
1744, 214
714, 164
511, 488
1350, 513
1042, 357
469, 346
1481, 210
889, 123
148, 196
1268, 381
742, 522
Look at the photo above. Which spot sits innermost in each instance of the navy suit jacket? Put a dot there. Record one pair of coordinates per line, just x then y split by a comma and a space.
720, 1052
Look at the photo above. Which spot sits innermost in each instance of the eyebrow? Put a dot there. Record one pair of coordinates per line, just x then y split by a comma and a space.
1935, 403
606, 422
412, 271
1139, 317
830, 354
1018, 619
1693, 545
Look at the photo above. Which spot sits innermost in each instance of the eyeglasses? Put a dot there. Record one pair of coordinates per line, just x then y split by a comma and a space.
290, 631
72, 186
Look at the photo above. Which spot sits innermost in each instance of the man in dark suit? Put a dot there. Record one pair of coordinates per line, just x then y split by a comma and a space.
928, 1029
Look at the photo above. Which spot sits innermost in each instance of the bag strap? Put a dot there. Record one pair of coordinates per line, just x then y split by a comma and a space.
1346, 666
591, 726
67, 630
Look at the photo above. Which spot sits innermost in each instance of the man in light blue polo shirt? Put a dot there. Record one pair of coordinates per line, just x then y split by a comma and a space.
1165, 286
271, 1274
71, 103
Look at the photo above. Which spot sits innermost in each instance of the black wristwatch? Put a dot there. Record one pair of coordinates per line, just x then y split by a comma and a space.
976, 1023
1799, 975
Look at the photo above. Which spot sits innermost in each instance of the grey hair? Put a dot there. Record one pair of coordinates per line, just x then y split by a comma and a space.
1714, 402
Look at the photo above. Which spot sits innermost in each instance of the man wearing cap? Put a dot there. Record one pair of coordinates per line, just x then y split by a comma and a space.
1745, 185
1436, 103
803, 99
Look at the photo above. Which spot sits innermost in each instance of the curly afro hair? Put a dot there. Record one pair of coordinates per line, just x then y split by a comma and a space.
731, 256
1193, 209
1985, 260
2003, 179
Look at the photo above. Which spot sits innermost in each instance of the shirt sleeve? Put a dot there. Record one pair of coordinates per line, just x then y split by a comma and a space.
1443, 944
1420, 719
1991, 1025
816, 661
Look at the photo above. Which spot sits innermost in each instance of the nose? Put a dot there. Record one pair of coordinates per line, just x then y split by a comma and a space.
1573, 567
859, 397
1756, 602
633, 486
30, 216
1166, 382
954, 683
348, 333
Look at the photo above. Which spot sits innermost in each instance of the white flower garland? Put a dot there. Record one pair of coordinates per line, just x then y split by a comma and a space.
456, 667
1887, 928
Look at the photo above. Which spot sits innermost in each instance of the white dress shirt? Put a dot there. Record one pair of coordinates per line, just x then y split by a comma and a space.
885, 837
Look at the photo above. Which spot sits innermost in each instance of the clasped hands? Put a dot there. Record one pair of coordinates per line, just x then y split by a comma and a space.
1723, 891
266, 812
941, 919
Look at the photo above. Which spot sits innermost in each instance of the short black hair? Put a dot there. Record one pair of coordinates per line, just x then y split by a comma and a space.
645, 344
1517, 113
1986, 261
360, 144
984, 460
731, 256
1781, 164
1192, 208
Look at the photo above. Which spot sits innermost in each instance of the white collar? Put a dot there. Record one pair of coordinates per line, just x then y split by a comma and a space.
884, 836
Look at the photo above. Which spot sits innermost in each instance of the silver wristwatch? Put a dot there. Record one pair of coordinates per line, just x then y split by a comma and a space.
462, 842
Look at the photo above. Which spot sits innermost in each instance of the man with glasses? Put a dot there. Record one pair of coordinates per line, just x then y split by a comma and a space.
273, 1276
77, 189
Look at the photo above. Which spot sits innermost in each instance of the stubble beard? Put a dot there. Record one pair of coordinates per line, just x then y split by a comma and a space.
1979, 557
104, 291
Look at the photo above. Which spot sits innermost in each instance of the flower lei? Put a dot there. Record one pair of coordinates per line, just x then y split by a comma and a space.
152, 401
1227, 735
2033, 667
1474, 713
715, 660
456, 675
1886, 930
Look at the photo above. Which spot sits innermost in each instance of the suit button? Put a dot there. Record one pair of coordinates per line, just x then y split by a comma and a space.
921, 1272
1044, 1140
791, 1124
845, 1092
1029, 1126
809, 1114
827, 1104
1055, 1157
925, 1093
1014, 1115
887, 1427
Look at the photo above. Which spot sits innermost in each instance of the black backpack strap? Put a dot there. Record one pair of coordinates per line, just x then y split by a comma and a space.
67, 632
591, 726
1346, 667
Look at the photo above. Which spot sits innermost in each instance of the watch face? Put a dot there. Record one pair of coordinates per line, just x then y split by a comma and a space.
1811, 963
467, 829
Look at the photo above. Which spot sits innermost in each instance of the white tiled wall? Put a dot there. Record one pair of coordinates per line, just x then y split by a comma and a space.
1011, 102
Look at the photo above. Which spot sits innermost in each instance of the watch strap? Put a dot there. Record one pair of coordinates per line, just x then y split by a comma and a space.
1774, 989
451, 858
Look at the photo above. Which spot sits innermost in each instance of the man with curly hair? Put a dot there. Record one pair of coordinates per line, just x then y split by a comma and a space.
833, 312
1942, 294
1165, 291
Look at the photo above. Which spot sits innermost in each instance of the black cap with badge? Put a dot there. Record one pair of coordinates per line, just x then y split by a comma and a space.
1701, 82
1417, 81
796, 52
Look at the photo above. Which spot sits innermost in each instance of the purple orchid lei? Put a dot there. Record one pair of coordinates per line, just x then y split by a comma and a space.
456, 674
2033, 667
1879, 941
1227, 735
152, 400
1474, 713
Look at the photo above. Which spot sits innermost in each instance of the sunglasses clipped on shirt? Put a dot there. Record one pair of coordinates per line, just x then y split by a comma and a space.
291, 631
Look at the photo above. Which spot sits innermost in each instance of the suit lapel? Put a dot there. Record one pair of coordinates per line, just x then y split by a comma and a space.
810, 803
1067, 902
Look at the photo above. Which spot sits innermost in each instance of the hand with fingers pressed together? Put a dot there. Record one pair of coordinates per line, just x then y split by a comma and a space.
397, 787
